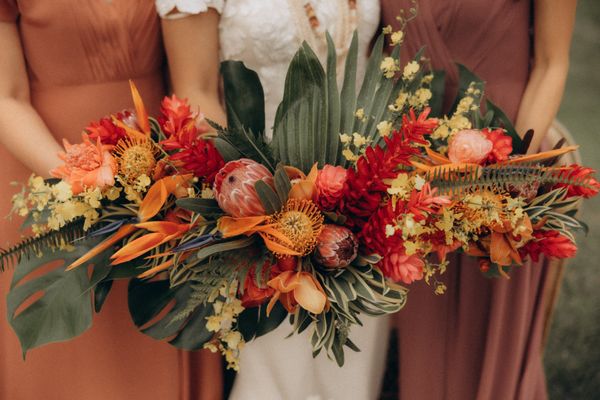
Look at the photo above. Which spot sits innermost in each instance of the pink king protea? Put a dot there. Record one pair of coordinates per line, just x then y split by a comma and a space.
234, 187
336, 247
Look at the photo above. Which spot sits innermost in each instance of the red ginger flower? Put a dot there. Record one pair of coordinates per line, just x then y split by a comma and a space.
551, 244
415, 128
106, 130
365, 185
587, 186
502, 145
197, 155
176, 114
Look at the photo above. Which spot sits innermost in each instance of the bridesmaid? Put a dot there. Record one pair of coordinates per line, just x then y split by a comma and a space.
65, 63
483, 338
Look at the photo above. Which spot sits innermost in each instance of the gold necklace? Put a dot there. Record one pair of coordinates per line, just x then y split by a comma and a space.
312, 32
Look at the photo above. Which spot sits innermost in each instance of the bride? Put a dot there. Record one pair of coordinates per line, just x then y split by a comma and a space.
265, 34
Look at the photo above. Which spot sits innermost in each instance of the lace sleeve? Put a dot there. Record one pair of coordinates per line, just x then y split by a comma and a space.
8, 11
182, 8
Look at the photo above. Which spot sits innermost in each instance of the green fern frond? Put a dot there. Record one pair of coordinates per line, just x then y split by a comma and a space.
37, 244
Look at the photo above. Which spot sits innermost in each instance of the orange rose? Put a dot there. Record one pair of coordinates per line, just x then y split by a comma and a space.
87, 165
469, 146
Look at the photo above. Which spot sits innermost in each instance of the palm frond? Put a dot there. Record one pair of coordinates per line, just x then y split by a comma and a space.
37, 244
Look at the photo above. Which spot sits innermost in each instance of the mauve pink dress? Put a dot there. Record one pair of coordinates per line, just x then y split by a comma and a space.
80, 54
482, 340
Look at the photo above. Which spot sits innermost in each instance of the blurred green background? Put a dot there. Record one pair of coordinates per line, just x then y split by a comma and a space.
572, 356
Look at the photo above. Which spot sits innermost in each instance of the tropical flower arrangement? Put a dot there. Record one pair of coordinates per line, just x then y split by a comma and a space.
224, 234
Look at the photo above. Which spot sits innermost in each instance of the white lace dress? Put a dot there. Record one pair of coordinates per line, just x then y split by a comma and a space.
264, 34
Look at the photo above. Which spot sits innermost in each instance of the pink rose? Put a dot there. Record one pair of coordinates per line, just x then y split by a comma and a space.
469, 146
330, 187
401, 267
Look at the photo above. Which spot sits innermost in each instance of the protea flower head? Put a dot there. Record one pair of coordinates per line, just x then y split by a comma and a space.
234, 187
337, 246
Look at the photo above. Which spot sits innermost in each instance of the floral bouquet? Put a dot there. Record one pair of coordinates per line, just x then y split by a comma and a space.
224, 234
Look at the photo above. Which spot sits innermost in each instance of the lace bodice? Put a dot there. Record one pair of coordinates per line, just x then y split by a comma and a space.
265, 35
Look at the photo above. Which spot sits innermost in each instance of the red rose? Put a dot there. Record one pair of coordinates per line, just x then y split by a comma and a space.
502, 145
330, 187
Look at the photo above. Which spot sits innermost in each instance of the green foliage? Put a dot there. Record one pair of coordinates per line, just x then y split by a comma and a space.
282, 184
268, 198
313, 112
36, 244
234, 143
204, 207
254, 322
64, 310
558, 210
184, 326
351, 291
244, 97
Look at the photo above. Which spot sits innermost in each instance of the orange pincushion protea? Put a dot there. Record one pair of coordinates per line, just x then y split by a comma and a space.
301, 222
87, 165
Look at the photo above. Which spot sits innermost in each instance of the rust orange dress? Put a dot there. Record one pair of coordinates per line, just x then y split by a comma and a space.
482, 340
79, 57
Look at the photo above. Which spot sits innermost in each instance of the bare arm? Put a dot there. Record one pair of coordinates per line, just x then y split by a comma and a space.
554, 20
192, 45
22, 131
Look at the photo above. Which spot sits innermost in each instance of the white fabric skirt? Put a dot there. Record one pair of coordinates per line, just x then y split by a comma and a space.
274, 367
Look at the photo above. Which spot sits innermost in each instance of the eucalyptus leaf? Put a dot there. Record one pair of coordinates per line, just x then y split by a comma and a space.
267, 196
200, 206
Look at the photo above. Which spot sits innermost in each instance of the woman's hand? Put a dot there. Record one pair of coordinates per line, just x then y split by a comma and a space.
553, 28
22, 131
192, 45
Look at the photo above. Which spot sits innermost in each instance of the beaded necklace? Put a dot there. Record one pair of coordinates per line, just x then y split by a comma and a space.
310, 28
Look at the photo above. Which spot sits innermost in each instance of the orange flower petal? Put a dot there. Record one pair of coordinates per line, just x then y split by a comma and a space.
284, 282
501, 251
124, 231
277, 247
159, 268
271, 231
308, 295
131, 132
138, 247
303, 190
540, 156
154, 201
166, 227
272, 302
230, 226
140, 109
436, 157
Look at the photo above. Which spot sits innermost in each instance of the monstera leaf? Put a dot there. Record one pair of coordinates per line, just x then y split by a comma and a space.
63, 309
184, 325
